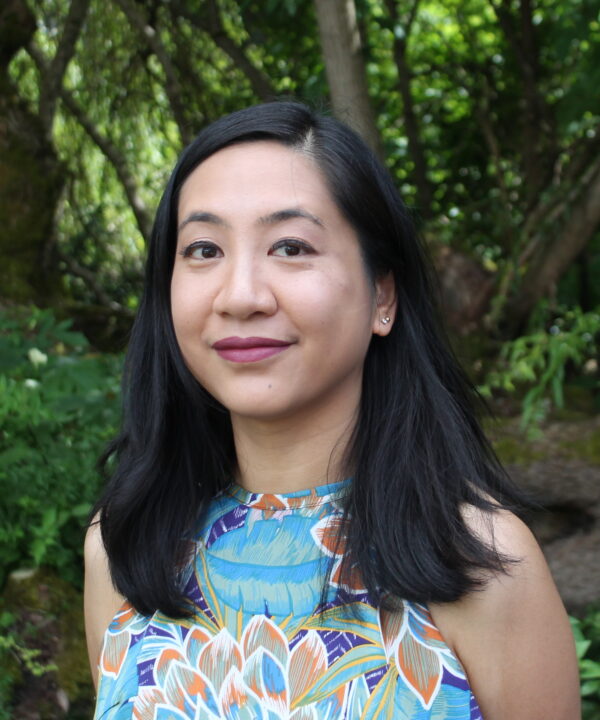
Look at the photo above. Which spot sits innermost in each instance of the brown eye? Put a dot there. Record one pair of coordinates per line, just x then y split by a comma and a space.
202, 251
291, 248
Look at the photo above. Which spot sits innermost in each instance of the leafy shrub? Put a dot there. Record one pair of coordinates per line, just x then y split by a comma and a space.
59, 404
15, 657
587, 641
538, 363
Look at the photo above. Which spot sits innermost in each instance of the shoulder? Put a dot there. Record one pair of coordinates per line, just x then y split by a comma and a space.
101, 600
93, 545
501, 528
513, 636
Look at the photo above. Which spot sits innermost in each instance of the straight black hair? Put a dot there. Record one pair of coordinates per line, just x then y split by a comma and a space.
417, 453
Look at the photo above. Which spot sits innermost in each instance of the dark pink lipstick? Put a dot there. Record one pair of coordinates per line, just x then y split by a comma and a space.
251, 349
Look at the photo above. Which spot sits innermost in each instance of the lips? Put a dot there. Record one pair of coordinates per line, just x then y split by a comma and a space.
248, 350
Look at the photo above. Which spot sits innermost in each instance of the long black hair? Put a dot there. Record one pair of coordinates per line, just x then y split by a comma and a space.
417, 453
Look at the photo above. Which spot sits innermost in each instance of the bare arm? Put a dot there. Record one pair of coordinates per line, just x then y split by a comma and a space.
100, 600
514, 638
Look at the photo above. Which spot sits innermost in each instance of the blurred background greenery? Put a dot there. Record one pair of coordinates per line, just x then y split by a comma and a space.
487, 113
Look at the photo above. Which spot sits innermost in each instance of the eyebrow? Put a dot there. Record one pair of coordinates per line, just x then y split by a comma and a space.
289, 214
271, 219
201, 217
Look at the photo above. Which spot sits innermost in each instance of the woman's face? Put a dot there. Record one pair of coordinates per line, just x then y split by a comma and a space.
272, 306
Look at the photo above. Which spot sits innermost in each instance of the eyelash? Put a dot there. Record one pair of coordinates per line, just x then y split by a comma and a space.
198, 245
302, 247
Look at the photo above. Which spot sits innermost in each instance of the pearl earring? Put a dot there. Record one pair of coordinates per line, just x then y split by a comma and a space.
385, 320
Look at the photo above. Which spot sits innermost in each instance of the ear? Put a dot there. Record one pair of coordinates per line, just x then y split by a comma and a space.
385, 310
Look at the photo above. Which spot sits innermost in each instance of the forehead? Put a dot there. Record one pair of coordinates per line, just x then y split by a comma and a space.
261, 175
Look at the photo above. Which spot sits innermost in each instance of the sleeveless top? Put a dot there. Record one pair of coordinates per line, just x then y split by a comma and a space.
262, 645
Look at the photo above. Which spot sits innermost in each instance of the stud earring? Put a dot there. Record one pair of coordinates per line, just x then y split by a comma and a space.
385, 320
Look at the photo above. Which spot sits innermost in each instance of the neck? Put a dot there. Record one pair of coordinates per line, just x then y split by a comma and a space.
291, 454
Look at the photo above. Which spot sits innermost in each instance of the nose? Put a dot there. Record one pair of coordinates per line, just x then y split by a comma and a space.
244, 289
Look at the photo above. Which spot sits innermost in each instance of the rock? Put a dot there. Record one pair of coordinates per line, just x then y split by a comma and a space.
561, 470
575, 565
62, 700
48, 620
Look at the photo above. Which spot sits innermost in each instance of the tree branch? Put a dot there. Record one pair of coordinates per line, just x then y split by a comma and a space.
55, 70
89, 278
407, 20
487, 129
539, 142
574, 221
117, 160
582, 153
480, 78
212, 25
411, 17
108, 148
411, 123
172, 85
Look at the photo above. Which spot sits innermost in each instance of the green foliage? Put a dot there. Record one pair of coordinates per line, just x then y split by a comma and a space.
59, 401
59, 405
16, 657
10, 665
540, 361
468, 89
12, 644
587, 642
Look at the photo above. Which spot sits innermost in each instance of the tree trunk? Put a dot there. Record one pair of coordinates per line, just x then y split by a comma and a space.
538, 141
411, 126
556, 248
465, 289
345, 68
31, 180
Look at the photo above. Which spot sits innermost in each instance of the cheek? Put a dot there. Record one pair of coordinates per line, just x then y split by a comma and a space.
344, 294
340, 310
178, 306
186, 306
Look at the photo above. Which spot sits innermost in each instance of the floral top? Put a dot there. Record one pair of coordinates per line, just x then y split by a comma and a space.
263, 646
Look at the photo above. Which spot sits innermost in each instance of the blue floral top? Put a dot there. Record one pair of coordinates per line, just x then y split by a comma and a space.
263, 646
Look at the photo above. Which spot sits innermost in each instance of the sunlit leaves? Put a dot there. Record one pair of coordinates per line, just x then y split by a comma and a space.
466, 82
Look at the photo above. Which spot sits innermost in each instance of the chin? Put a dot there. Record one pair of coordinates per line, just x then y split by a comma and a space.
261, 407
261, 412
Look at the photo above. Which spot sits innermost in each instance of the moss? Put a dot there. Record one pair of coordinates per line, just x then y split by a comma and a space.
53, 608
10, 676
575, 436
581, 399
73, 667
512, 451
569, 415
31, 179
585, 447
512, 446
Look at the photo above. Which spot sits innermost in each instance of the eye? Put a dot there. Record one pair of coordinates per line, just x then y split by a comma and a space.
290, 248
201, 250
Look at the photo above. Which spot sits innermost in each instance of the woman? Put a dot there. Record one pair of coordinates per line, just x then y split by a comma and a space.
303, 518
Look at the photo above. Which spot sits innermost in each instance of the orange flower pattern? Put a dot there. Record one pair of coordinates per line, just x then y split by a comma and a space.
261, 645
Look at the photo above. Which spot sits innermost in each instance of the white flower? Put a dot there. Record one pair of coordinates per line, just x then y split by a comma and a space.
37, 357
591, 366
30, 383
